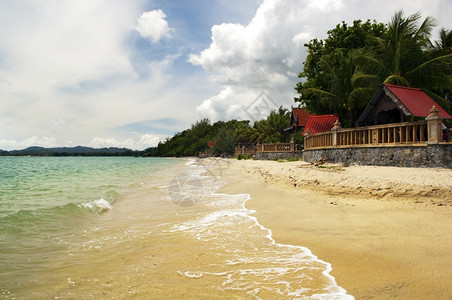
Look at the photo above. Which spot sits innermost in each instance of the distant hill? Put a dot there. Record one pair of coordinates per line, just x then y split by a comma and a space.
71, 151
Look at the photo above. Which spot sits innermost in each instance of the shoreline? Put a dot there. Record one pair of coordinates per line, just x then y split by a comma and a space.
386, 231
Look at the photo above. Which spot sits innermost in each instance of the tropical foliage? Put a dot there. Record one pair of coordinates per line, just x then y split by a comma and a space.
340, 75
343, 71
221, 137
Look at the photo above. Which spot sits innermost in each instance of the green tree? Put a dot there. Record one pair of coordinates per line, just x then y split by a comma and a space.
444, 47
278, 122
330, 68
343, 94
445, 40
404, 55
272, 128
342, 72
260, 132
228, 134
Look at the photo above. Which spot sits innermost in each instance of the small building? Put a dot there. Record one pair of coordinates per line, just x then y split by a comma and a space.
321, 123
298, 119
392, 103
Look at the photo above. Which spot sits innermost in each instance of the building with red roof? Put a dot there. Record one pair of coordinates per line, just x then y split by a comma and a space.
392, 103
298, 119
316, 124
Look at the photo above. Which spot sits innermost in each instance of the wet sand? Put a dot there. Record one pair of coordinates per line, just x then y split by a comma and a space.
386, 231
148, 247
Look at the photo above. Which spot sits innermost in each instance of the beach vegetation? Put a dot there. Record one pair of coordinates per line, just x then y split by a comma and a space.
288, 159
341, 73
244, 156
71, 151
272, 128
220, 138
294, 159
331, 167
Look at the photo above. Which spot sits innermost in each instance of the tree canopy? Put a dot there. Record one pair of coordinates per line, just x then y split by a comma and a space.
221, 137
340, 75
342, 72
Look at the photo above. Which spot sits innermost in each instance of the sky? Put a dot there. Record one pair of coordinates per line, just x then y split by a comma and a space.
130, 73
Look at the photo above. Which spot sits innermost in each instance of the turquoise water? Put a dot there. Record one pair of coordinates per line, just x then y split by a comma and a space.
47, 204
33, 184
120, 228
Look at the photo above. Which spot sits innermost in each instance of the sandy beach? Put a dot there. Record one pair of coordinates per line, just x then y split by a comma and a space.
386, 231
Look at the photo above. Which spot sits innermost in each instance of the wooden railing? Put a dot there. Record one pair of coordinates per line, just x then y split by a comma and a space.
319, 140
245, 151
249, 149
398, 134
279, 147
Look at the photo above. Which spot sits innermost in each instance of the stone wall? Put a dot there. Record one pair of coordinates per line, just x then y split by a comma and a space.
432, 156
278, 155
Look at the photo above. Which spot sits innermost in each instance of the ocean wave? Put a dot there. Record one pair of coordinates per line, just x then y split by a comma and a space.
258, 266
24, 220
99, 205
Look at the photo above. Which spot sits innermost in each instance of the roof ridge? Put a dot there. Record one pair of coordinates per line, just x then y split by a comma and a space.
329, 115
402, 87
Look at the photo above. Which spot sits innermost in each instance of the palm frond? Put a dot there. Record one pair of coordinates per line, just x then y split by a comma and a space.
319, 92
371, 65
359, 97
432, 73
445, 39
330, 70
440, 100
360, 80
424, 31
397, 80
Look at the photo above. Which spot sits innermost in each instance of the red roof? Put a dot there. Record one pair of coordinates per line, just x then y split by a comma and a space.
416, 101
322, 123
301, 116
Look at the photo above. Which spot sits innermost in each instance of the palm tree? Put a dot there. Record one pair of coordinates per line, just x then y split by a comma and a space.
271, 129
348, 91
445, 40
278, 121
260, 131
402, 57
444, 47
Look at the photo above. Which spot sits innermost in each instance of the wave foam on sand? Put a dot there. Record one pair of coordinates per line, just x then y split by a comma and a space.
386, 231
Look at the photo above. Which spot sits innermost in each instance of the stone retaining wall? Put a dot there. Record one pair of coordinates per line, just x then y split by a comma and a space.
432, 156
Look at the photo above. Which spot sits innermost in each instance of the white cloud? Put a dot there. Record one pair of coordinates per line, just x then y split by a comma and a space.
238, 103
66, 72
267, 54
152, 25
47, 142
326, 5
146, 141
74, 70
247, 60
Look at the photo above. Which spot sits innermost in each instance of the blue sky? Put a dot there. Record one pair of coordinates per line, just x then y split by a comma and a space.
130, 73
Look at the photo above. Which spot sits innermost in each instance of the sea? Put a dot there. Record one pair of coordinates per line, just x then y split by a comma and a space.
141, 228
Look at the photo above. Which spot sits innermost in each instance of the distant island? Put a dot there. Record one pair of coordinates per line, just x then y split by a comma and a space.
71, 151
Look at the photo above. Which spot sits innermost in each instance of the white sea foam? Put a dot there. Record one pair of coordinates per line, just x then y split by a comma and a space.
99, 205
254, 262
191, 275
